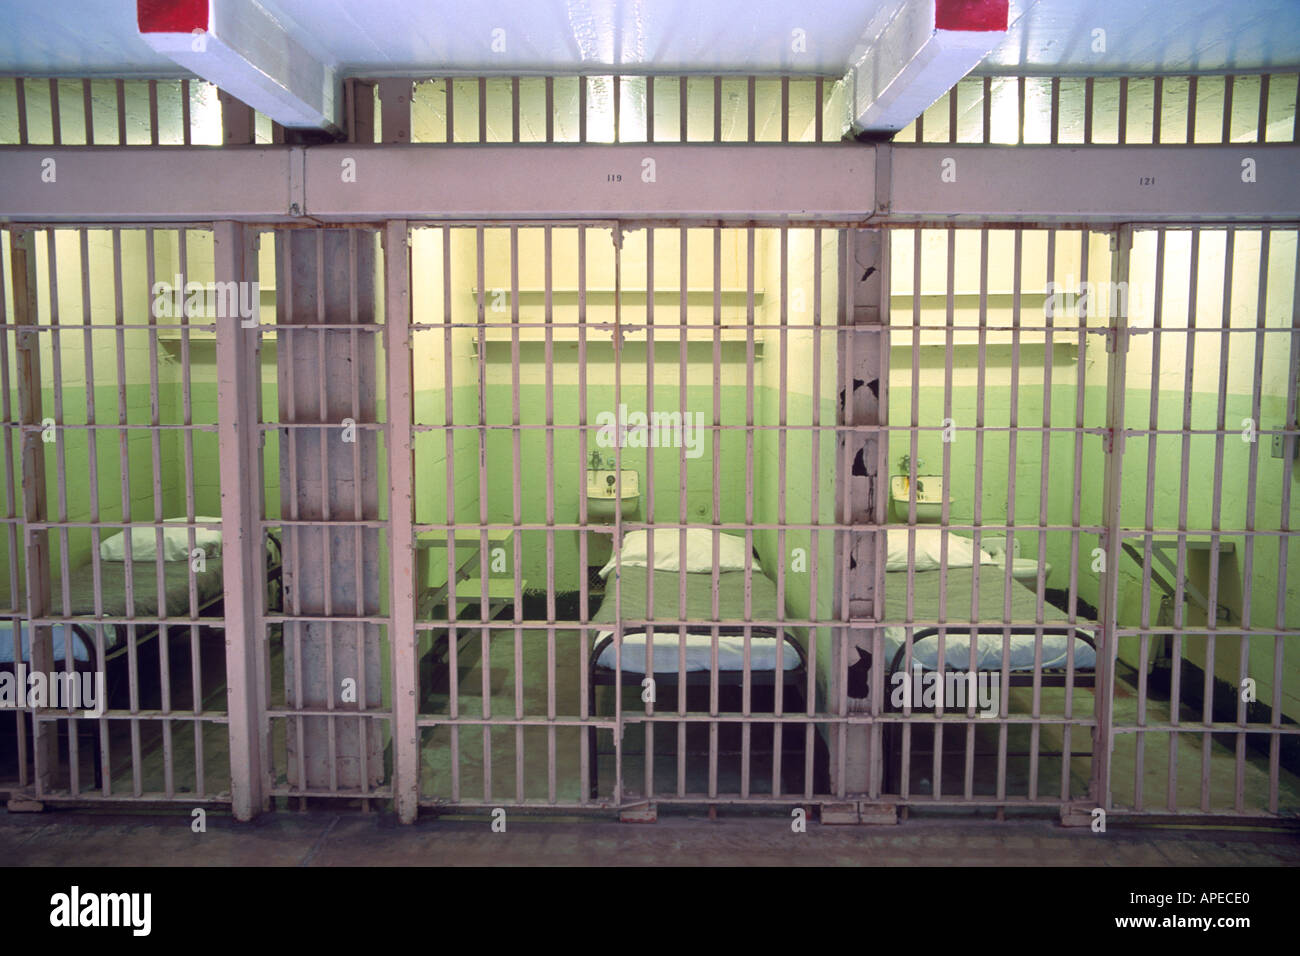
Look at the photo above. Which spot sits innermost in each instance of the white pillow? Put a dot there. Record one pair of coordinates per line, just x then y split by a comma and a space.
176, 542
961, 551
699, 551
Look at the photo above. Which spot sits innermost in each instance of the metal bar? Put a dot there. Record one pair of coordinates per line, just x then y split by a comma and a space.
1248, 565
819, 120
516, 470
1227, 109
1123, 110
401, 511
1087, 109
717, 109
650, 112
514, 109
56, 125
617, 96
1261, 123
588, 766
551, 703
582, 109
1157, 109
682, 114
1112, 508
449, 415
482, 109
1184, 471
238, 381
23, 278
751, 110
20, 101
153, 112
1056, 110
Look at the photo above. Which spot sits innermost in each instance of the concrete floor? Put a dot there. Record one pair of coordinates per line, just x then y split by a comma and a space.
86, 839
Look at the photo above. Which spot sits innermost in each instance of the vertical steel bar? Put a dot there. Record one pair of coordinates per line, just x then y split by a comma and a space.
449, 438
56, 125
239, 380
1175, 703
1112, 517
1216, 505
401, 516
548, 318
485, 610
516, 463
717, 109
23, 277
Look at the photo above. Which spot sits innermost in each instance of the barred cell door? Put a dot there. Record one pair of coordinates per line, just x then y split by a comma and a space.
1204, 383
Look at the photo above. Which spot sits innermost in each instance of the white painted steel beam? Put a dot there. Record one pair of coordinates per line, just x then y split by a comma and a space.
589, 181
243, 50
157, 183
835, 182
1094, 183
913, 52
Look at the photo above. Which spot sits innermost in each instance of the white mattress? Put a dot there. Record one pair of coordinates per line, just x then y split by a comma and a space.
988, 650
699, 652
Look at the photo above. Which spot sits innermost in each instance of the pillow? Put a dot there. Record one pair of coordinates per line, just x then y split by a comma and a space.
176, 542
699, 551
961, 551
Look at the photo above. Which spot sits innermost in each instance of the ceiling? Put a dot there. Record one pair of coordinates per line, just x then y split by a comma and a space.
398, 37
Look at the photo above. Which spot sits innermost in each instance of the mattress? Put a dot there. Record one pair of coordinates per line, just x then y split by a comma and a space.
208, 585
764, 655
991, 590
79, 650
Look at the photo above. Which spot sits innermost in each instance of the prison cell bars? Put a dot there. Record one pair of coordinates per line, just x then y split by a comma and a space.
44, 101
518, 526
948, 336
948, 620
1277, 95
1240, 726
44, 613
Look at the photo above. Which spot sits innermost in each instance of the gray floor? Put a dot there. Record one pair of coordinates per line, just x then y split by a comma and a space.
317, 839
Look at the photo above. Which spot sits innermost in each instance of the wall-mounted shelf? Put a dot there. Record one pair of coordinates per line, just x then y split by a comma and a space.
664, 297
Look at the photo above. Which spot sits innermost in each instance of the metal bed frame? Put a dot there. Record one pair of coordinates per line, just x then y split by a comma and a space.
795, 680
1046, 677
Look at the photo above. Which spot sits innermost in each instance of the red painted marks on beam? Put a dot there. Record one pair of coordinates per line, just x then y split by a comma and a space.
973, 16
171, 16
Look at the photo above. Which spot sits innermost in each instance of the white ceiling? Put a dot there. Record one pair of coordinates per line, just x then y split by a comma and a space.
374, 37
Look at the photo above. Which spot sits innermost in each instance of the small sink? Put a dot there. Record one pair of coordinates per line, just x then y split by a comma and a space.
608, 490
605, 485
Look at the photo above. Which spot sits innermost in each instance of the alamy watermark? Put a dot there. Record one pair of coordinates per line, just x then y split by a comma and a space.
211, 300
58, 690
653, 430
1081, 299
957, 689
